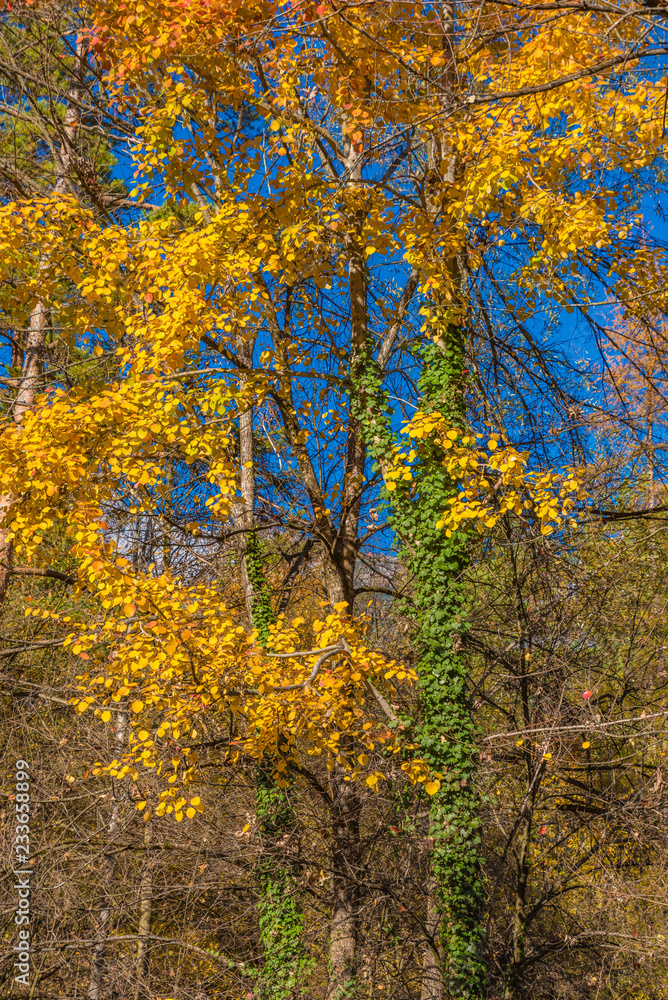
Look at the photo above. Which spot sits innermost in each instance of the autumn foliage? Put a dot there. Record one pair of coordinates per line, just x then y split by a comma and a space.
309, 200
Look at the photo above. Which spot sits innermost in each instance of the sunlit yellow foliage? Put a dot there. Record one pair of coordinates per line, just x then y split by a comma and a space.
528, 142
495, 480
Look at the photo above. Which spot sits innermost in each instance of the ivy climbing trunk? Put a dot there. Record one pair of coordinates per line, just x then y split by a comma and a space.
446, 732
279, 915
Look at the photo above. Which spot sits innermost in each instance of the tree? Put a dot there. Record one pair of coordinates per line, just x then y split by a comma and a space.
340, 186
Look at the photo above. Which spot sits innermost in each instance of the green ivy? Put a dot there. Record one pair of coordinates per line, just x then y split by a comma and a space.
280, 918
263, 613
445, 731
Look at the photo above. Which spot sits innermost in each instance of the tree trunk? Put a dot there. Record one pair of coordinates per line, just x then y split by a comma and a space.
432, 979
108, 870
280, 918
519, 912
35, 342
145, 914
447, 728
33, 363
535, 773
346, 807
6, 503
243, 511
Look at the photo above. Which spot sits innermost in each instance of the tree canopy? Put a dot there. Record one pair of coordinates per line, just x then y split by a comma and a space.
293, 296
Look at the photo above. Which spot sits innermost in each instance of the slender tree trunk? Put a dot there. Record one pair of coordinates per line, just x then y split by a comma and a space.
280, 918
447, 729
345, 552
33, 364
35, 341
243, 510
519, 912
432, 980
33, 361
535, 772
345, 858
346, 802
6, 504
166, 534
97, 964
339, 548
145, 914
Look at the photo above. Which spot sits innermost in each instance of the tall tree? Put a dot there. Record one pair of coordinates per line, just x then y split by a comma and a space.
341, 184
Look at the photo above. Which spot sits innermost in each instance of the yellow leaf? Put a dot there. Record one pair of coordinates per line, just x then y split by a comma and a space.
137, 706
431, 787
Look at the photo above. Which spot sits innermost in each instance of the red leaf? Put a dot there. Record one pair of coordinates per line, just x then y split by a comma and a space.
320, 9
543, 829
587, 694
